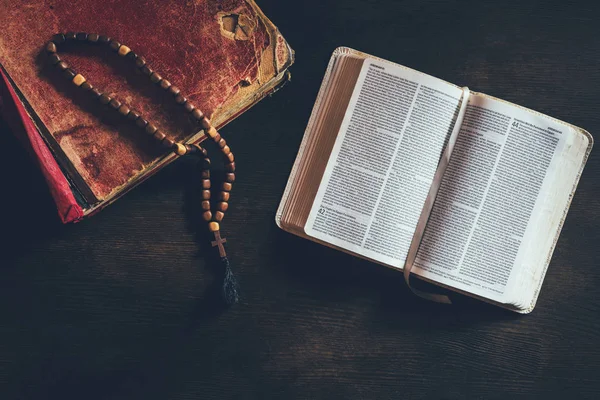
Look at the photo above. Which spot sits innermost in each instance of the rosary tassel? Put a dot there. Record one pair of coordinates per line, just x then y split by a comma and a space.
230, 286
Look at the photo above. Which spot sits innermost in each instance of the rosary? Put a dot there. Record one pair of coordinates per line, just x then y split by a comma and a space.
230, 295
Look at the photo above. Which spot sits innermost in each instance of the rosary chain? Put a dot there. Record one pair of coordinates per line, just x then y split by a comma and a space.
148, 127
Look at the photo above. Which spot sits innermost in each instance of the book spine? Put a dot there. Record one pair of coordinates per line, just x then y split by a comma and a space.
14, 113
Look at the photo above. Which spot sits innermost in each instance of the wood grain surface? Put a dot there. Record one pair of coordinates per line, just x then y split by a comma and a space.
120, 306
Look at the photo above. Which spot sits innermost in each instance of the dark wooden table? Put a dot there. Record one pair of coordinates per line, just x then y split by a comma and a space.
116, 307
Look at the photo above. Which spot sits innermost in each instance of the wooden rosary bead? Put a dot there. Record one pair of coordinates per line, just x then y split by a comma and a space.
206, 205
226, 150
196, 113
201, 150
115, 104
174, 90
78, 80
223, 206
159, 135
219, 216
93, 37
230, 157
205, 174
212, 132
191, 149
207, 215
51, 47
206, 163
69, 73
155, 77
133, 115
141, 122
206, 195
224, 196
95, 93
123, 50
222, 143
70, 36
180, 149
213, 226
59, 38
165, 84
168, 143
180, 99
114, 45
124, 110
86, 86
103, 39
205, 183
230, 167
188, 107
205, 123
146, 70
62, 66
54, 59
81, 36
151, 129
217, 138
227, 186
140, 62
105, 99
230, 177
131, 56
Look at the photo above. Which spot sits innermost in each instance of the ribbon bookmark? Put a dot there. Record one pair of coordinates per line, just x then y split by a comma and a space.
437, 180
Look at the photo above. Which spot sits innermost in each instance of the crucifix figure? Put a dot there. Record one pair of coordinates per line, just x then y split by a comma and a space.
219, 242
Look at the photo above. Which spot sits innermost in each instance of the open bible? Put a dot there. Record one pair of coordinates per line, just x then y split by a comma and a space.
467, 191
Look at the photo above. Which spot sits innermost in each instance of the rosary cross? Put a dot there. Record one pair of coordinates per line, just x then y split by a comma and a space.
219, 242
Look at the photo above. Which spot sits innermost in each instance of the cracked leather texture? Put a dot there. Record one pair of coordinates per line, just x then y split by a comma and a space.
187, 42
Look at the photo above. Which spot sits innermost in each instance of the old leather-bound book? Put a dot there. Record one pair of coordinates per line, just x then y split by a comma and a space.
225, 55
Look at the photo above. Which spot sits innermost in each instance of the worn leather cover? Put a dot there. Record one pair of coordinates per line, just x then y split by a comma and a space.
224, 55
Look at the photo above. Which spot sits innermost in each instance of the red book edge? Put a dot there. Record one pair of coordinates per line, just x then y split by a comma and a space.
24, 129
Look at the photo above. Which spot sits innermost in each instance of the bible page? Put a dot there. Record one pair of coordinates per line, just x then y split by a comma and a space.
383, 161
500, 173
